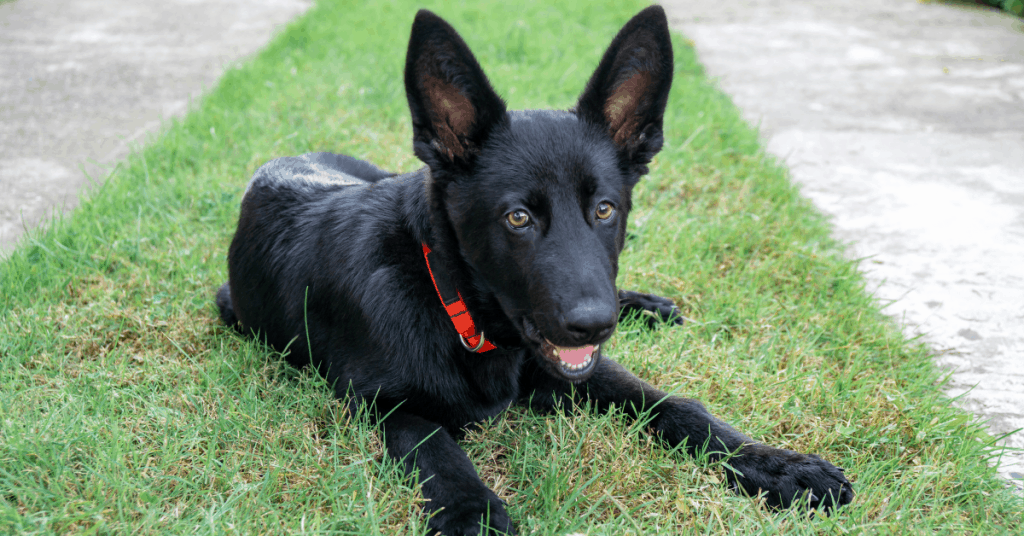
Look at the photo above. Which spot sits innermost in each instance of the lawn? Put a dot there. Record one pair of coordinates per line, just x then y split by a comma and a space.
127, 408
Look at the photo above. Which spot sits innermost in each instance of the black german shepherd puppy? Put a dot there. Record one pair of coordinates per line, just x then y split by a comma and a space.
487, 277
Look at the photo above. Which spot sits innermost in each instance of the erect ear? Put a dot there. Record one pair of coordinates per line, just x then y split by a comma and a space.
628, 91
453, 106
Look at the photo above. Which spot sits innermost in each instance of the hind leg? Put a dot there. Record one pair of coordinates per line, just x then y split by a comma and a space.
227, 311
652, 309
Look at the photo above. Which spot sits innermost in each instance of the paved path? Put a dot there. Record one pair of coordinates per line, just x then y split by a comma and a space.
904, 121
81, 80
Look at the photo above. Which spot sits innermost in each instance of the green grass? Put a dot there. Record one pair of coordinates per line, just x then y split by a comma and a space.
125, 407
1013, 6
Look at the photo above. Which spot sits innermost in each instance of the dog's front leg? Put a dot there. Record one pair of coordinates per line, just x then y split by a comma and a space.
783, 475
457, 499
652, 309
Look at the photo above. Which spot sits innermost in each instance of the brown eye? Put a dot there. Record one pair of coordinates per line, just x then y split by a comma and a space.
604, 211
518, 219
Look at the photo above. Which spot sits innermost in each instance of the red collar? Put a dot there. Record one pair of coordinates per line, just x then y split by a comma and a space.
456, 309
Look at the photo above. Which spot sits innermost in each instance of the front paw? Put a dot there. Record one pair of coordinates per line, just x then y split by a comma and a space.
652, 309
787, 478
483, 516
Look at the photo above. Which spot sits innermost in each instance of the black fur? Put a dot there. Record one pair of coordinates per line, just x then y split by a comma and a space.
327, 262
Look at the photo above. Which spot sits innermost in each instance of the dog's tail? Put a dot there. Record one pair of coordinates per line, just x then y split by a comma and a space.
227, 311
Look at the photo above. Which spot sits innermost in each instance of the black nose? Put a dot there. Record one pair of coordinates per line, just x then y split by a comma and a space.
591, 321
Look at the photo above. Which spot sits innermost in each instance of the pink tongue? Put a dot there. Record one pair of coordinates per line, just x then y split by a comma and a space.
575, 356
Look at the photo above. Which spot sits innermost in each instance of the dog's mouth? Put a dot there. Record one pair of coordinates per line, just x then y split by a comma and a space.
572, 363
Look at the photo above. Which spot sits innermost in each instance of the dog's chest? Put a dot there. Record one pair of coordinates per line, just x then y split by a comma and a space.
487, 384
495, 379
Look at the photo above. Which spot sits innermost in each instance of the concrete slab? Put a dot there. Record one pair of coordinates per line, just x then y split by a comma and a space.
903, 121
80, 80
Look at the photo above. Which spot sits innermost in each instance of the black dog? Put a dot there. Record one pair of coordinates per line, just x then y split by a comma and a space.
485, 278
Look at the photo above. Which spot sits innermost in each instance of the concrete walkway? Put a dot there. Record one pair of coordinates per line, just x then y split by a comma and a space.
81, 80
903, 121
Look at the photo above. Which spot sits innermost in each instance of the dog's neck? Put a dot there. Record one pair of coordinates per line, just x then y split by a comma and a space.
428, 224
472, 338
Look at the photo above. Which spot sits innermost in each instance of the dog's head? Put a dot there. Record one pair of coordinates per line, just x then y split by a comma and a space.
536, 202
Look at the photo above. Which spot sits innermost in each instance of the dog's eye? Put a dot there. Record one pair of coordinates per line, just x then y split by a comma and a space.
604, 211
518, 219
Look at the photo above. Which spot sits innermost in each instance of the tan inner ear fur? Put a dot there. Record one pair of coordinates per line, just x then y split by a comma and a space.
453, 114
621, 107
